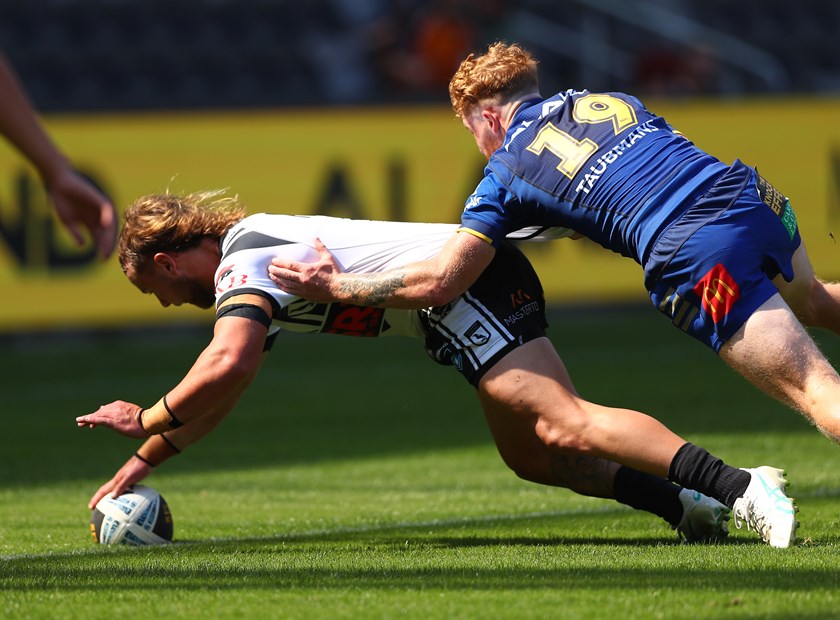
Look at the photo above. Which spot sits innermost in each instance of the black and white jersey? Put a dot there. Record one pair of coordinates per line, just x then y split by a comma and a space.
501, 311
357, 245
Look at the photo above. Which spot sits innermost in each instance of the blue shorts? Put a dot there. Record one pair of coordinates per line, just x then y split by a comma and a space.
722, 272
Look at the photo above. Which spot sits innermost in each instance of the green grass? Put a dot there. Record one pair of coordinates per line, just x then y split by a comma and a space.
362, 483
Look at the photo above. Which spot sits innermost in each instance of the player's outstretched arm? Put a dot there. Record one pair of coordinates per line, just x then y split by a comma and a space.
419, 285
77, 202
216, 380
159, 448
120, 416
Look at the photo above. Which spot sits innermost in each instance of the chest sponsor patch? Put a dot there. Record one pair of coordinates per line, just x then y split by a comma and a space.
718, 292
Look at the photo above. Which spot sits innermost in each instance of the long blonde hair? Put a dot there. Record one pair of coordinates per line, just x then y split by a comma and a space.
170, 223
497, 75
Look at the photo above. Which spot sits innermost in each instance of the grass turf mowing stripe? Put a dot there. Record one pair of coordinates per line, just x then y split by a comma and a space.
340, 531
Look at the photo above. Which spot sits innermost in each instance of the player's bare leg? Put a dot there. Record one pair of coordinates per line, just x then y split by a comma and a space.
775, 352
534, 383
528, 456
695, 516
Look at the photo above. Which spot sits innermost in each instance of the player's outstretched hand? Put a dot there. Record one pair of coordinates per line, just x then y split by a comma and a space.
311, 281
80, 205
118, 415
129, 474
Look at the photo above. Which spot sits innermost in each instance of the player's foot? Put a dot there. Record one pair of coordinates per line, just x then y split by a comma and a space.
766, 508
704, 519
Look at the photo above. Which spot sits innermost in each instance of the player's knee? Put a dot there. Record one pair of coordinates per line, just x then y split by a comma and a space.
820, 403
569, 435
530, 470
531, 465
821, 306
812, 301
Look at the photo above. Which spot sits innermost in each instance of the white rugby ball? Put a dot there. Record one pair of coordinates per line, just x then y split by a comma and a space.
138, 517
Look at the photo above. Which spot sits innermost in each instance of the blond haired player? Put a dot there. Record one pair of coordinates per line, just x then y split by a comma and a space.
202, 250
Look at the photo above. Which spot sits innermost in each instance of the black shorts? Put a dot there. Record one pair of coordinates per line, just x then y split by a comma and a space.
504, 309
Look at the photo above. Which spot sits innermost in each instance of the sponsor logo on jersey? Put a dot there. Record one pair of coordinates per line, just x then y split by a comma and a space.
718, 292
778, 203
350, 320
789, 220
518, 298
226, 281
524, 305
477, 334
525, 310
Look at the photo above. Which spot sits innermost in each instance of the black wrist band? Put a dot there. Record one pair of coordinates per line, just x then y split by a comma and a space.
169, 443
140, 421
145, 460
174, 422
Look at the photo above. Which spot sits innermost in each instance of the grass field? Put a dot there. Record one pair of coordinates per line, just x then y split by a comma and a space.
361, 482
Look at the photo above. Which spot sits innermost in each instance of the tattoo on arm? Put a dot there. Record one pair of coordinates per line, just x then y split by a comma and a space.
373, 289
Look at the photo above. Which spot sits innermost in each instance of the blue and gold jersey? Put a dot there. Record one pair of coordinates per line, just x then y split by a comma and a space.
600, 164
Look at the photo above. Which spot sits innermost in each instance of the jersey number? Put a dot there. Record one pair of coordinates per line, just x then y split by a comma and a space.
592, 109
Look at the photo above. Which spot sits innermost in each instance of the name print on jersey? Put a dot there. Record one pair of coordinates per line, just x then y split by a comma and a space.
600, 165
523, 304
778, 202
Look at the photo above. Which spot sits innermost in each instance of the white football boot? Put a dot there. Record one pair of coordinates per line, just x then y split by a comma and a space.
766, 508
704, 519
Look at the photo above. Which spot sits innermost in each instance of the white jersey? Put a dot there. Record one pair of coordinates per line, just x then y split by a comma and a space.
357, 245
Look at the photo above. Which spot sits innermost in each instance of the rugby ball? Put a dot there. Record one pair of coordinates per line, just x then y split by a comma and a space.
139, 517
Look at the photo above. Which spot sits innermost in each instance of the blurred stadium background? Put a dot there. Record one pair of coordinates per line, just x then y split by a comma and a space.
104, 55
340, 107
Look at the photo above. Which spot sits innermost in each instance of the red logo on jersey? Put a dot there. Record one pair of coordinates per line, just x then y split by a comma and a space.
349, 320
225, 281
518, 298
718, 292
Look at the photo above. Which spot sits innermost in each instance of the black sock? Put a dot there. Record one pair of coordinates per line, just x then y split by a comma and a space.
647, 492
694, 468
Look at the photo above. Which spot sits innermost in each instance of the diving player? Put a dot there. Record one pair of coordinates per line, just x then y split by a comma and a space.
202, 250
